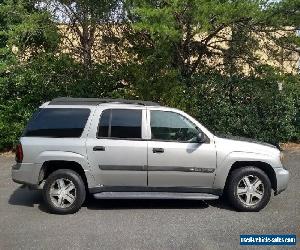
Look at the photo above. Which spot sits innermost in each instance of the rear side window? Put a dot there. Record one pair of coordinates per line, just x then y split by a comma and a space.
58, 123
120, 123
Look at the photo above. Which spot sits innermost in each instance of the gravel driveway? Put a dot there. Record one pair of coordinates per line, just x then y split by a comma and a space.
137, 224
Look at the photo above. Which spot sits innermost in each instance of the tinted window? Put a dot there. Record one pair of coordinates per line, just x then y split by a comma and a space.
169, 126
53, 122
121, 123
104, 123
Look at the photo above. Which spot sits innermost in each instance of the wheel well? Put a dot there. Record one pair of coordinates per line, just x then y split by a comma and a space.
261, 165
51, 166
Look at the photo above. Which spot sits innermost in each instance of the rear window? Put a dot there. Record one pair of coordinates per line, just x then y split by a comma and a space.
121, 123
58, 123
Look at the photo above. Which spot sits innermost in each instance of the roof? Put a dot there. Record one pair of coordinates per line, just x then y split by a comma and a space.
97, 101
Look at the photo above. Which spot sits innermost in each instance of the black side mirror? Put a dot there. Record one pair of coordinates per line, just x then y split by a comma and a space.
201, 137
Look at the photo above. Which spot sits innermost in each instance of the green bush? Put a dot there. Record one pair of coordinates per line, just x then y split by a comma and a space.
41, 80
250, 107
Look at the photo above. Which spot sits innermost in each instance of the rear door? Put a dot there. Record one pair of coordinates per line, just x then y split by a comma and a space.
175, 158
116, 149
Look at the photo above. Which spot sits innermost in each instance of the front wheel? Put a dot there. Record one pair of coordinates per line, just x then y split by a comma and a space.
64, 192
249, 189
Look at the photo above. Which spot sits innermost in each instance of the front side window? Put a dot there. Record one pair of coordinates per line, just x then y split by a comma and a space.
170, 126
57, 123
120, 123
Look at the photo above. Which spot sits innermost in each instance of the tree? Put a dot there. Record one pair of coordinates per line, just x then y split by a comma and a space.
86, 20
189, 54
196, 36
27, 34
201, 56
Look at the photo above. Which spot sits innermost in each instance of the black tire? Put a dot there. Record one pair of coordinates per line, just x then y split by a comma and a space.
235, 179
80, 191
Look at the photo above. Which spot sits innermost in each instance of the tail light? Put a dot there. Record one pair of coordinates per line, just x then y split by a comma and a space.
19, 153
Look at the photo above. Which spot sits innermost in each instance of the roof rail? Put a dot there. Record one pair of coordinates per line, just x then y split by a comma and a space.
97, 101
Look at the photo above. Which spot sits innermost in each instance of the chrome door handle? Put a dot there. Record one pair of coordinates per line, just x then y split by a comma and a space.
99, 148
158, 150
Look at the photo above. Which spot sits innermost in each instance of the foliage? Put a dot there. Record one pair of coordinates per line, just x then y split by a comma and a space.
188, 35
254, 108
167, 63
41, 80
173, 62
85, 19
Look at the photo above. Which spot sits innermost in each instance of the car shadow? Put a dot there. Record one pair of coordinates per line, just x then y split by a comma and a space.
23, 196
123, 204
119, 204
221, 203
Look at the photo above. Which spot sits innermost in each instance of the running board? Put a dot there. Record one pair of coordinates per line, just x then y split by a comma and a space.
155, 195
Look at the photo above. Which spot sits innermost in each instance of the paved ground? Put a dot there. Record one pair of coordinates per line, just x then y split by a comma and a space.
136, 224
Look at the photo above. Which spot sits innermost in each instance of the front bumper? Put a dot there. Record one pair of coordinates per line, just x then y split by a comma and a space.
282, 177
26, 173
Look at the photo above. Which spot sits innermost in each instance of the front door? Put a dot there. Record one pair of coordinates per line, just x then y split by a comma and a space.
175, 158
116, 151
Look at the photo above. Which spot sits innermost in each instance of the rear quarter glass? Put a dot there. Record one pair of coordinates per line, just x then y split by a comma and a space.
34, 115
57, 123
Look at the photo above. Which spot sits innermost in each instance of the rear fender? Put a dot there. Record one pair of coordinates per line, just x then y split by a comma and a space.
47, 156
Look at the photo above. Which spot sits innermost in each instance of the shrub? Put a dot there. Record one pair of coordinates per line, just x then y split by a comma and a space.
250, 107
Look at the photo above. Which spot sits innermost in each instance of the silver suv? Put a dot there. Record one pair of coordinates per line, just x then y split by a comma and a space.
133, 149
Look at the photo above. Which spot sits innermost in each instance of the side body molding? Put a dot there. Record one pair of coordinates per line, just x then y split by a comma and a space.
67, 156
224, 164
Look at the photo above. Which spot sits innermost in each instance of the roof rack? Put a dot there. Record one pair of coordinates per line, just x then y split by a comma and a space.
97, 101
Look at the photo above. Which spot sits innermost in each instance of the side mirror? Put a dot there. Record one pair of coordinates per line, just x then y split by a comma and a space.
201, 138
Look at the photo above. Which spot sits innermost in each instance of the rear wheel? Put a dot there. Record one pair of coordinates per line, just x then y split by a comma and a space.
64, 191
249, 189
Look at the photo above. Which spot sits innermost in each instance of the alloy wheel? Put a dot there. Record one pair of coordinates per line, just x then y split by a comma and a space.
250, 190
62, 193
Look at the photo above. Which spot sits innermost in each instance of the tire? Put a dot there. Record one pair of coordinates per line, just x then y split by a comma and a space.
248, 189
64, 192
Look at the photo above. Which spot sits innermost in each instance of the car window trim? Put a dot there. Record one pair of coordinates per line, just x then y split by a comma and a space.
122, 139
158, 140
109, 123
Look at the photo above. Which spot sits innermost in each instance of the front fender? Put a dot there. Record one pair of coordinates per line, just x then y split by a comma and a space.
224, 165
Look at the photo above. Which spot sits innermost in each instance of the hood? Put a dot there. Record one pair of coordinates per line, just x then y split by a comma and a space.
236, 143
245, 139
